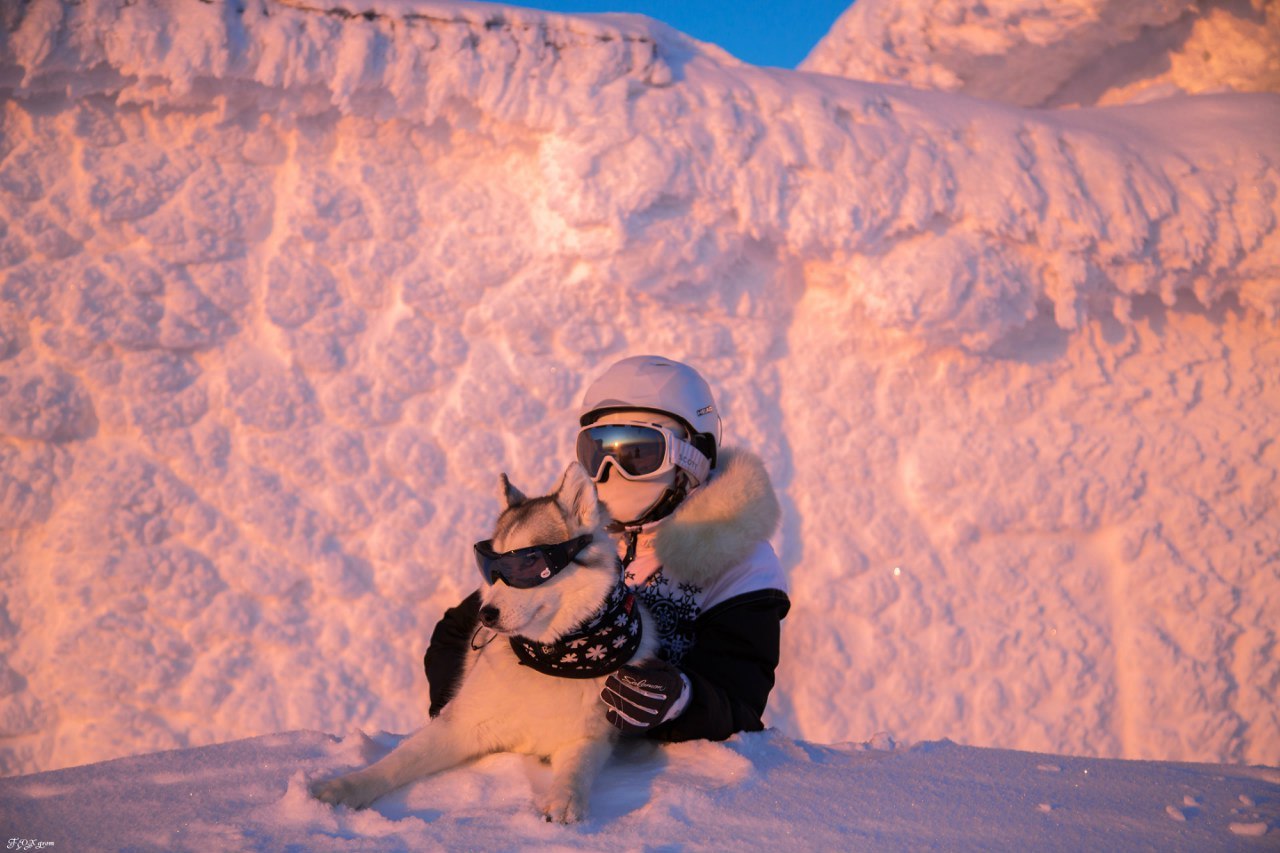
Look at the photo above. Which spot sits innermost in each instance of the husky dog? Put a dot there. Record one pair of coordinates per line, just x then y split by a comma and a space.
556, 619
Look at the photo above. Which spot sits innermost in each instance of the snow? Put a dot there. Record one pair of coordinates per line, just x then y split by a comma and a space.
283, 289
1048, 53
760, 791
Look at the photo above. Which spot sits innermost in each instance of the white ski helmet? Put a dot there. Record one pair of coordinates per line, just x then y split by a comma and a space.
656, 384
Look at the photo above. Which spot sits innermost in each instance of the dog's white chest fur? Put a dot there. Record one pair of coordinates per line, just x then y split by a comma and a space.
518, 709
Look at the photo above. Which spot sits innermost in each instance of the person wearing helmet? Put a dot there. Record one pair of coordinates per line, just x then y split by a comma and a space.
693, 520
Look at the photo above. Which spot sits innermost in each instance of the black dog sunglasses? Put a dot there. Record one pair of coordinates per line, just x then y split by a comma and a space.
527, 567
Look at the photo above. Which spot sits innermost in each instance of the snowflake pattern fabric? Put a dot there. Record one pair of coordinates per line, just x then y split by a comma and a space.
598, 647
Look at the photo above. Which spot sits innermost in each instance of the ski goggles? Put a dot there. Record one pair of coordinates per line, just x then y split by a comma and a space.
527, 567
638, 451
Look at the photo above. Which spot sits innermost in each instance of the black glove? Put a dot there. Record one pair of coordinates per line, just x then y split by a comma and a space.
639, 697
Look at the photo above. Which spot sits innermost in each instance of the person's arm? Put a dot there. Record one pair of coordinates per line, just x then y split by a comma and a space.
447, 652
730, 668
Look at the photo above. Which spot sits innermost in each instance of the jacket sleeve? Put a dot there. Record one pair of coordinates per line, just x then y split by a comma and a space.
730, 667
447, 652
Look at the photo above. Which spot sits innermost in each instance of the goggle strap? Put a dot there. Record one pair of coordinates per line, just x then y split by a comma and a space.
690, 459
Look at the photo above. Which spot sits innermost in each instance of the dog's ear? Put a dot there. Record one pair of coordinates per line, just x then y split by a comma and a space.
577, 494
511, 496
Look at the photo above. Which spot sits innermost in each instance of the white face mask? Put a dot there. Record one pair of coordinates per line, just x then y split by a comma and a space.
628, 500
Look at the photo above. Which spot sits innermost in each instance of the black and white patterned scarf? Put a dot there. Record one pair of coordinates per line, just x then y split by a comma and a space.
595, 648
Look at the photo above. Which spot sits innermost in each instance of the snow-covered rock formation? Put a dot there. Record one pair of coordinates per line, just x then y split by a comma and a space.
286, 284
1050, 53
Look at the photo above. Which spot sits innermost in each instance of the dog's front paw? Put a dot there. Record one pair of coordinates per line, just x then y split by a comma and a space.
351, 791
564, 807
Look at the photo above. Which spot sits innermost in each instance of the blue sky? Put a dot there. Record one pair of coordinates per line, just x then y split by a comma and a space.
762, 32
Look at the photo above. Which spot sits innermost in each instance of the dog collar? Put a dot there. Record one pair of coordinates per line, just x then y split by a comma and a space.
595, 648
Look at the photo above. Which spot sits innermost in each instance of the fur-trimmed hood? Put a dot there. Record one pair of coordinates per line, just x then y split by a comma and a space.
720, 524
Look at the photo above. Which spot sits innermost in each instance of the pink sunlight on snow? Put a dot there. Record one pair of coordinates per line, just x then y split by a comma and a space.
282, 290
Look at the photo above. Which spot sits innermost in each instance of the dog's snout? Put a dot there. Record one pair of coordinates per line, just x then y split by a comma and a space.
489, 616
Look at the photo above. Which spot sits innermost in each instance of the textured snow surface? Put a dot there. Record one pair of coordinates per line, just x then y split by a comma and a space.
283, 289
1053, 53
760, 791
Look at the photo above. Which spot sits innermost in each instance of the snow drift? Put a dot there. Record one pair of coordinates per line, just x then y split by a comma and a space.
285, 285
760, 791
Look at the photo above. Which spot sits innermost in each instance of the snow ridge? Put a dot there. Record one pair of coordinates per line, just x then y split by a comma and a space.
1035, 53
369, 58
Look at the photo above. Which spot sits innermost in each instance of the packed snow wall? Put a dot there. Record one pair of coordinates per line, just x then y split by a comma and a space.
285, 286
